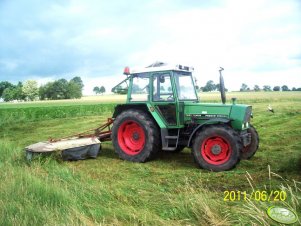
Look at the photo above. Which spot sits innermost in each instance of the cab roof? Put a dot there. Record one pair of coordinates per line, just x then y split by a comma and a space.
160, 66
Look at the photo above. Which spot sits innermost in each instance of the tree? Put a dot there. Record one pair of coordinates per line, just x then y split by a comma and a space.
296, 89
285, 88
42, 93
210, 86
276, 88
267, 88
19, 95
60, 89
102, 89
244, 87
96, 90
4, 85
74, 90
47, 91
256, 88
79, 81
30, 89
8, 94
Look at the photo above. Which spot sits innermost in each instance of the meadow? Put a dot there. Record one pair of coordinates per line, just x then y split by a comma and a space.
169, 190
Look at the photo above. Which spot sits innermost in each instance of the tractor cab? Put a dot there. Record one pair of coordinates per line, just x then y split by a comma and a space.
166, 84
164, 89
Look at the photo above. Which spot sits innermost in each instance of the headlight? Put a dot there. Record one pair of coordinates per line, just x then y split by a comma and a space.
245, 125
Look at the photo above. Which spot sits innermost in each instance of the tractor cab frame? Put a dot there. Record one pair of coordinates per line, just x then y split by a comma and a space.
163, 90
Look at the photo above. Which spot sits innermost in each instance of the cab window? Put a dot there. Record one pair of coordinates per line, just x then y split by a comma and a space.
162, 89
185, 86
140, 88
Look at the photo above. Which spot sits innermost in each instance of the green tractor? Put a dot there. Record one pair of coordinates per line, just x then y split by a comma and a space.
163, 112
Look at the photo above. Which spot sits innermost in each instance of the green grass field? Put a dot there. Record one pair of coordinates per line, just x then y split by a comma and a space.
169, 190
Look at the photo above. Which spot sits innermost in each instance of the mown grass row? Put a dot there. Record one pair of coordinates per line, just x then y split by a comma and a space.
112, 192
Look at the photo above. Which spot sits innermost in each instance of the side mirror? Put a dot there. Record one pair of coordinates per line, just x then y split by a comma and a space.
222, 86
162, 79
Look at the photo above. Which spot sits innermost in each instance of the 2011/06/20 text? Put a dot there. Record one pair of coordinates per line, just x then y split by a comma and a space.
258, 195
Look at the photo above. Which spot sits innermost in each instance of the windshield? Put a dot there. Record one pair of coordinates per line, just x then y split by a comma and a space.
185, 87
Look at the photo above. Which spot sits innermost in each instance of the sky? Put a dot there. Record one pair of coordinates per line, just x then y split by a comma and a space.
256, 42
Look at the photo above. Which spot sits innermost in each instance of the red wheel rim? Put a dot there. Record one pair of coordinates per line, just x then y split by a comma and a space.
216, 150
131, 137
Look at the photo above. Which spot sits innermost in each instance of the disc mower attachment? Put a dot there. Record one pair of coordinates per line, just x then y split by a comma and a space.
70, 149
75, 147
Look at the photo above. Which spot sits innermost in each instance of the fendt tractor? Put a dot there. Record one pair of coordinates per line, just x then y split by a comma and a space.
163, 113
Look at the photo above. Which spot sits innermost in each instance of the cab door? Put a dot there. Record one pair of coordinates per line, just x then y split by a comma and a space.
163, 98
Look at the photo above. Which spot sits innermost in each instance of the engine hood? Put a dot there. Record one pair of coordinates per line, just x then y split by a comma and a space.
238, 114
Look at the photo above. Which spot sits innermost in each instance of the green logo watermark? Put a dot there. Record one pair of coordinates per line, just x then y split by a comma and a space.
282, 215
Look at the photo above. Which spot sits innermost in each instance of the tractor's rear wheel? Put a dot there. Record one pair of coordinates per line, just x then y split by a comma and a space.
217, 148
250, 150
135, 136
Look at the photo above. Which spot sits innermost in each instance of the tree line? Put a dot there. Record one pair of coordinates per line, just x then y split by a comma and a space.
244, 87
63, 89
211, 86
29, 90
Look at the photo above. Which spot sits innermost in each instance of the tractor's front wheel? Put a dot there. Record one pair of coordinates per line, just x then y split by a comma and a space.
135, 136
217, 148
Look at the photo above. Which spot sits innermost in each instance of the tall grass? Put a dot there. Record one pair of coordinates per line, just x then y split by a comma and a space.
48, 192
51, 192
167, 191
17, 115
257, 210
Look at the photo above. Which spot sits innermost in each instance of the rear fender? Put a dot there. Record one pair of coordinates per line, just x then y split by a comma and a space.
123, 107
210, 121
142, 107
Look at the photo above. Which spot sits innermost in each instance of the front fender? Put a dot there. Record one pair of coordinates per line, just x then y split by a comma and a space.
210, 121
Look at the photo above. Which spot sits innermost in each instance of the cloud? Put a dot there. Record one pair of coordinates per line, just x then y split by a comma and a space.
96, 39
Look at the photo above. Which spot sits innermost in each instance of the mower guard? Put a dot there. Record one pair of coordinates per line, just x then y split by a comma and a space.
71, 149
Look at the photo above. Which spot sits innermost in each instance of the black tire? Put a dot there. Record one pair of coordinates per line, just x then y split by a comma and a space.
135, 136
249, 151
222, 140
